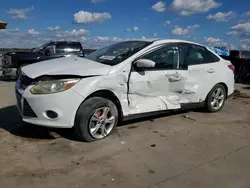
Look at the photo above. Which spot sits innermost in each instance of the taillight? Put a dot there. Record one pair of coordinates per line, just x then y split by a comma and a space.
9, 60
232, 68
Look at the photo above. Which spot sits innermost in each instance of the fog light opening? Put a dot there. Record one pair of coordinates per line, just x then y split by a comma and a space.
51, 114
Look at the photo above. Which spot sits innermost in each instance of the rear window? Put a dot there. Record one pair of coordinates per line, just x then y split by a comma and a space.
73, 47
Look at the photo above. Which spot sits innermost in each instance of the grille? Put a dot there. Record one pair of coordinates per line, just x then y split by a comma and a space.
27, 110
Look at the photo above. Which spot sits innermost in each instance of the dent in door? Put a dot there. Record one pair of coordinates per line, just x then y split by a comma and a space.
155, 91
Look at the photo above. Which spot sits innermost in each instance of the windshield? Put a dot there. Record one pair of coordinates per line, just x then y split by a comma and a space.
116, 53
40, 48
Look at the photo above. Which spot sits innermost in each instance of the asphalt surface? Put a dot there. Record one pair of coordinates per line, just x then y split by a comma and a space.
186, 149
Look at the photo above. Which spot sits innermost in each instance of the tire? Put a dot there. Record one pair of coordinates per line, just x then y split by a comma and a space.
87, 111
210, 98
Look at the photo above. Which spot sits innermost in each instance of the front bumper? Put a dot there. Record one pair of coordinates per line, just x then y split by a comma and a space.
33, 108
9, 72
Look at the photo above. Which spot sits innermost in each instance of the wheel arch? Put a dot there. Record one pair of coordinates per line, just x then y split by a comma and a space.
221, 83
225, 86
107, 94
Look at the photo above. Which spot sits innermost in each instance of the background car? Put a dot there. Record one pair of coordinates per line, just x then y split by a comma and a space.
13, 61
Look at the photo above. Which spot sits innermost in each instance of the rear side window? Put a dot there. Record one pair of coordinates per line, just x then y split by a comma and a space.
199, 55
73, 48
60, 48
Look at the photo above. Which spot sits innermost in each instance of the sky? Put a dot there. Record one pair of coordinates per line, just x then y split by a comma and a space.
98, 23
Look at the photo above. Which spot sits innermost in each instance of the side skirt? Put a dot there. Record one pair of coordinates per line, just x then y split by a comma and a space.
184, 106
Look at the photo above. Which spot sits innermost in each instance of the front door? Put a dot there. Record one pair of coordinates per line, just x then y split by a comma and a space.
161, 87
52, 51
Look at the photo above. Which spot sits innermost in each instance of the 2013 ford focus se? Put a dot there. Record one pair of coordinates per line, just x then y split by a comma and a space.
125, 79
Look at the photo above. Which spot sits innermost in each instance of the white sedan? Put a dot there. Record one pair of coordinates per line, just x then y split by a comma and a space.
122, 81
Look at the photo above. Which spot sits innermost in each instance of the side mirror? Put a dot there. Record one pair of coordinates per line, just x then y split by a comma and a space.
144, 63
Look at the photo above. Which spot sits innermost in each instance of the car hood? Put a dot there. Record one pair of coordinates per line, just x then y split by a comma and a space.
66, 66
20, 53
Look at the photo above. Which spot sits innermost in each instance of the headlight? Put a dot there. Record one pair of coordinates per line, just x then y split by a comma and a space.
53, 86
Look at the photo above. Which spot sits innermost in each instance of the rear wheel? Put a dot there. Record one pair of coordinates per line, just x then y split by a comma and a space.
216, 98
96, 119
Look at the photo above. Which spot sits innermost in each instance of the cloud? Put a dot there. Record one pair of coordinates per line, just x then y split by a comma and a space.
73, 33
96, 1
168, 22
100, 42
114, 39
159, 7
242, 29
20, 14
184, 31
190, 7
9, 30
215, 42
56, 28
128, 30
134, 29
232, 33
84, 17
244, 46
247, 13
155, 34
211, 40
221, 16
231, 47
82, 39
245, 41
33, 32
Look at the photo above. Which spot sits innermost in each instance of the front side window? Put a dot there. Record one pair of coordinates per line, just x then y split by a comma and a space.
199, 55
50, 49
116, 53
40, 48
168, 57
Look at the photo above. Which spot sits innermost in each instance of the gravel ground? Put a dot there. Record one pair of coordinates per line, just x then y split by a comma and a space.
204, 150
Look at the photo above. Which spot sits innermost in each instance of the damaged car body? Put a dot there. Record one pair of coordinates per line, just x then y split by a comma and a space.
129, 78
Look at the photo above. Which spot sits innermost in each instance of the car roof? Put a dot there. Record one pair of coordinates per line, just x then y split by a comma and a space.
160, 41
176, 41
64, 42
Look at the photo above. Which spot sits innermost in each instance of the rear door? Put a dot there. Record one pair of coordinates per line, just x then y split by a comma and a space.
161, 87
203, 70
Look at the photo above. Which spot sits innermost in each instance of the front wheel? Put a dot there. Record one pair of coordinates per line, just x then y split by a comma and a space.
216, 98
96, 119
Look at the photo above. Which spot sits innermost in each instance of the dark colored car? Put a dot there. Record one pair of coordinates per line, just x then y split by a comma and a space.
240, 54
13, 61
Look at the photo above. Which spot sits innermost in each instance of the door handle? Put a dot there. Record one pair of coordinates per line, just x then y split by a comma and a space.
174, 78
211, 70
